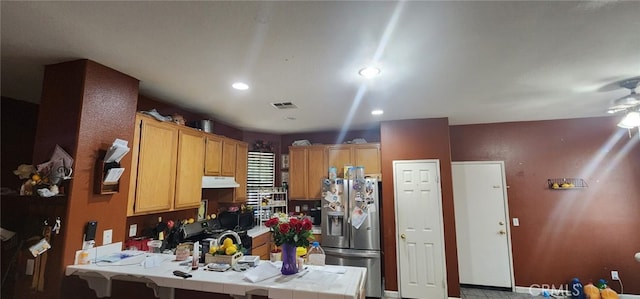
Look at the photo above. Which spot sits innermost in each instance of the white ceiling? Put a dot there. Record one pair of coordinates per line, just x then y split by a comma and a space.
470, 61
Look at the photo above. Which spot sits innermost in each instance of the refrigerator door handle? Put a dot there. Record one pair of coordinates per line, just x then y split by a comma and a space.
363, 254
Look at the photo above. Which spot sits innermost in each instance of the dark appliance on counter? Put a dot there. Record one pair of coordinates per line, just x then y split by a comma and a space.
236, 220
212, 229
316, 215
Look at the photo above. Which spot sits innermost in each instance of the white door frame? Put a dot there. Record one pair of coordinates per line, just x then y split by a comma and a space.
395, 194
506, 211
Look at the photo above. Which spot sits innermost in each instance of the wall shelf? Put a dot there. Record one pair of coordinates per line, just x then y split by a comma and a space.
270, 203
566, 183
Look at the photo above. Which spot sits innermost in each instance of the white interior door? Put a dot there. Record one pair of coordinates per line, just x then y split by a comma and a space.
420, 235
482, 227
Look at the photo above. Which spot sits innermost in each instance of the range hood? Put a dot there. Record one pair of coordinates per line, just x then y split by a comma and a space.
213, 182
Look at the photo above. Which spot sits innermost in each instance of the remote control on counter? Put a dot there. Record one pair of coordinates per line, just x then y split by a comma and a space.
181, 274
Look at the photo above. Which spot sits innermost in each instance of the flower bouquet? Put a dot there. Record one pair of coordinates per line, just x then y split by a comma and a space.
290, 233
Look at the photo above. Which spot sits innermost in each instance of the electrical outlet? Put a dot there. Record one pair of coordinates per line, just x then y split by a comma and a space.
133, 230
614, 275
107, 236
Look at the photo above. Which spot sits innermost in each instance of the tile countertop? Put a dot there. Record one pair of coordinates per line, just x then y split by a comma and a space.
261, 229
318, 282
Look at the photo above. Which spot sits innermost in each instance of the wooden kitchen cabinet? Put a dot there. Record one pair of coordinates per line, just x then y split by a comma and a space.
228, 157
366, 155
213, 155
220, 159
307, 168
189, 169
167, 166
242, 164
240, 169
261, 246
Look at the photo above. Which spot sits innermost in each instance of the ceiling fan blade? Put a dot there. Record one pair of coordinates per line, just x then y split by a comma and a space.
628, 100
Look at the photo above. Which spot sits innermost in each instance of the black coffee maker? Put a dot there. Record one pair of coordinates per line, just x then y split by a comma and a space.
316, 215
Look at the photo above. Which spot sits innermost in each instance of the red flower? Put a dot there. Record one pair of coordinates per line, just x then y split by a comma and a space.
290, 231
306, 224
271, 222
284, 228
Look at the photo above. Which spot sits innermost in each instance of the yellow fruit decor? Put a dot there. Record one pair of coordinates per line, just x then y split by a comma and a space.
230, 250
591, 291
608, 294
227, 248
300, 251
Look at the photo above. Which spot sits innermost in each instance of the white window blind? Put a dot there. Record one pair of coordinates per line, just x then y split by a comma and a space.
260, 175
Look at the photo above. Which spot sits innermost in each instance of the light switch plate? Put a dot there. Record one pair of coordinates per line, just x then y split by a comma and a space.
30, 265
107, 236
133, 230
516, 222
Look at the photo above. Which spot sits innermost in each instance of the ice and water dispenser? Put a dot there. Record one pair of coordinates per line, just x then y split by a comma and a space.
334, 207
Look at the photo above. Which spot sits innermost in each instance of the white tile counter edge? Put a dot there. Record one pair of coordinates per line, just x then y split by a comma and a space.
99, 278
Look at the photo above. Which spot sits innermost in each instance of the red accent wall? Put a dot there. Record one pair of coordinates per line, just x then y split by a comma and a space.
19, 122
563, 234
413, 140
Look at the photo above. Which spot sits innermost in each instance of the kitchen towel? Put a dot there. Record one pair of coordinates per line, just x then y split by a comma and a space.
263, 271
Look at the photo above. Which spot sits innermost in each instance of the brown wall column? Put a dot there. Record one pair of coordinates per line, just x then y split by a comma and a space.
412, 140
85, 106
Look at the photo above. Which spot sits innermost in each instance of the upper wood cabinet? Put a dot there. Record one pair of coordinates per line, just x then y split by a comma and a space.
213, 155
366, 155
228, 157
307, 168
239, 152
189, 169
242, 165
220, 159
153, 171
167, 166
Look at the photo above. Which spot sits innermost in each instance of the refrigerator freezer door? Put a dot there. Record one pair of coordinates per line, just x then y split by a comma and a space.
335, 228
359, 258
364, 213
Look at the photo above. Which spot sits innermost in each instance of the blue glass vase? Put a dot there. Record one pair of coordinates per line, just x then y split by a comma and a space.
289, 261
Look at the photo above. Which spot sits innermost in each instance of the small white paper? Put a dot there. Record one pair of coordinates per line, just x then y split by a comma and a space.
113, 175
30, 266
117, 151
6, 234
152, 261
39, 248
357, 217
371, 208
262, 271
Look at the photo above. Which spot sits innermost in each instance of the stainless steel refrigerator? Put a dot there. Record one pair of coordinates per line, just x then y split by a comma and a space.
351, 227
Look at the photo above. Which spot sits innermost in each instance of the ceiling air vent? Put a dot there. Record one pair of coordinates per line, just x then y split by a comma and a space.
284, 105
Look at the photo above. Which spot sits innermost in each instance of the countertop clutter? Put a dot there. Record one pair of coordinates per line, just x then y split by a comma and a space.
157, 272
261, 229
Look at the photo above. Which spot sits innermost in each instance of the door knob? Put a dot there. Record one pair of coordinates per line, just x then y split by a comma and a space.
502, 232
501, 223
403, 236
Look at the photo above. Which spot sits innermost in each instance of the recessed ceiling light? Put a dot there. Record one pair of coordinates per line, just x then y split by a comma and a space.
369, 72
240, 86
377, 112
